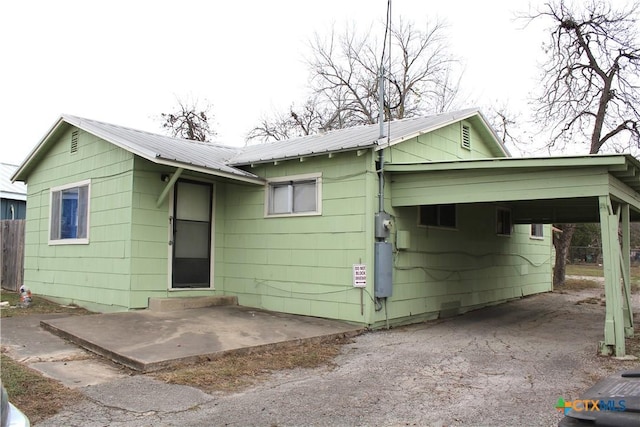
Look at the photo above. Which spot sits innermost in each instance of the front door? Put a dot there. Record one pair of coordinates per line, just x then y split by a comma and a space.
191, 235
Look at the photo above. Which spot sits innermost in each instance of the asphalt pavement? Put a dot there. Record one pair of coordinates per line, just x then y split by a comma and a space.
500, 366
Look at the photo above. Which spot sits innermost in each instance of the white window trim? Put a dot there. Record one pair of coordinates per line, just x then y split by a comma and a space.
304, 177
83, 241
534, 237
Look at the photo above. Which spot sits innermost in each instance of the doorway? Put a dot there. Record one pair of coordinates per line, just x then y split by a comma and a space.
191, 235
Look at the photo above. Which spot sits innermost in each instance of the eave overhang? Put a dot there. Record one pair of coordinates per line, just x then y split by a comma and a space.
539, 190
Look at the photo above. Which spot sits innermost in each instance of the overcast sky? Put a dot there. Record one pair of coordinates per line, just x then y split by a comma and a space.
125, 62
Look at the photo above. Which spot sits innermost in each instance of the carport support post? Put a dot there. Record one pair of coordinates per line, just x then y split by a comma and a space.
625, 262
614, 320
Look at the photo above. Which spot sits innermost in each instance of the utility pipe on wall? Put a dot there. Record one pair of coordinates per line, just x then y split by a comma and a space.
380, 136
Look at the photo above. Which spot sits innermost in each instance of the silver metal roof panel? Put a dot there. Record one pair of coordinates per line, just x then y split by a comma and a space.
8, 189
153, 146
224, 160
353, 138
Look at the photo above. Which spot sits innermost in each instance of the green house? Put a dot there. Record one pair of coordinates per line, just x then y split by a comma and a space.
421, 218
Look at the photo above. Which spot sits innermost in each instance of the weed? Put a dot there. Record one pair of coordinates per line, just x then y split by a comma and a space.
38, 305
580, 284
236, 372
37, 396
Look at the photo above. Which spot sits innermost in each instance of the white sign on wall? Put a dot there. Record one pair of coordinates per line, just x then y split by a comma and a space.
359, 275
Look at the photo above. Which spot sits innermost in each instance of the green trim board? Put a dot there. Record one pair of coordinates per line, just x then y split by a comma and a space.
538, 190
614, 330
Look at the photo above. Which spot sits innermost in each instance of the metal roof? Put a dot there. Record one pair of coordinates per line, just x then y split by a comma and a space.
8, 189
193, 155
221, 160
156, 147
357, 137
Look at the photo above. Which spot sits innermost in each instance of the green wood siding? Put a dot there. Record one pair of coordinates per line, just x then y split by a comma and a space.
298, 264
149, 234
96, 275
442, 144
475, 185
446, 272
301, 265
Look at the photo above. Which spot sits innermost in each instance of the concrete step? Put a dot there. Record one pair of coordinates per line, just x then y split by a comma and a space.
183, 303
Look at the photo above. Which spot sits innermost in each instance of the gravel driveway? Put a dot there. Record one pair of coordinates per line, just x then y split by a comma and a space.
502, 366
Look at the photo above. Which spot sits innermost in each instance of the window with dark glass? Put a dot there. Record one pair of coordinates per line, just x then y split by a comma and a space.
537, 231
503, 222
438, 215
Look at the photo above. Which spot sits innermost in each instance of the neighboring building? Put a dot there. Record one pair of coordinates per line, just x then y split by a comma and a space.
13, 195
117, 216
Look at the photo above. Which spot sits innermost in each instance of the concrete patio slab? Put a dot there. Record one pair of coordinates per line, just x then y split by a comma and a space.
150, 340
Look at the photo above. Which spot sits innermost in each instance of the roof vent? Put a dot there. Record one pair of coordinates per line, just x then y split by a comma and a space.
74, 142
466, 137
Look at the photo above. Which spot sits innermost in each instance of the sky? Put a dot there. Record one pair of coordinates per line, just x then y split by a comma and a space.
125, 62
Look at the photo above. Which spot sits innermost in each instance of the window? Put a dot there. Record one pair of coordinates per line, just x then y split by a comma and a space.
296, 195
70, 214
438, 216
536, 231
503, 222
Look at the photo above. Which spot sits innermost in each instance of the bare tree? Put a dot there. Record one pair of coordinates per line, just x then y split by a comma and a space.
277, 128
503, 121
189, 121
294, 123
344, 68
590, 84
591, 79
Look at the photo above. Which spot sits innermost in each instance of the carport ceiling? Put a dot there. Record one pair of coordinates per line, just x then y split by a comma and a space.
538, 190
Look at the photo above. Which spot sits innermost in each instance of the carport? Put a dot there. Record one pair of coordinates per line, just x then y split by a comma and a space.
572, 189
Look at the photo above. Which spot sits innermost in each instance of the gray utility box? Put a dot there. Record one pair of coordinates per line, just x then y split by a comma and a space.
383, 224
383, 266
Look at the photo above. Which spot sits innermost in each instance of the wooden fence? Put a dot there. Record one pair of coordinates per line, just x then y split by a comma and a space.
11, 253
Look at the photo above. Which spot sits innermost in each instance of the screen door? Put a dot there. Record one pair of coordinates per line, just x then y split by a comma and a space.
192, 235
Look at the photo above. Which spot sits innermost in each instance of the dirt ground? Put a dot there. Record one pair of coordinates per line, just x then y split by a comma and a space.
502, 366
